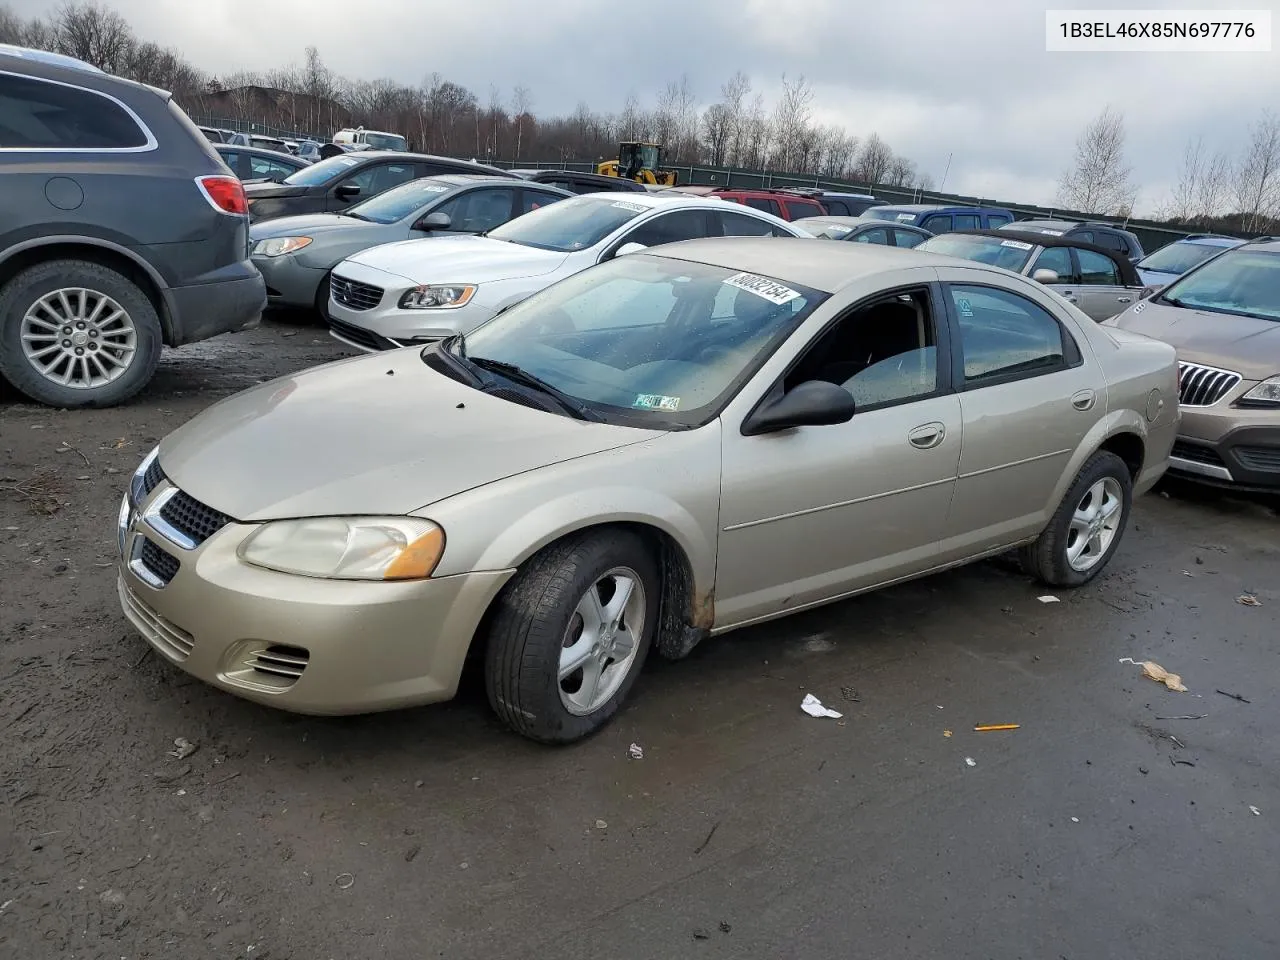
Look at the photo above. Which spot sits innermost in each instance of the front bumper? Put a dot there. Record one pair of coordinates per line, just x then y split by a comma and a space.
384, 325
289, 283
297, 643
1229, 446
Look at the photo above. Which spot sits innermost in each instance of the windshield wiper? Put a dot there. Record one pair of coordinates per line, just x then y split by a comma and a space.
525, 378
356, 216
454, 361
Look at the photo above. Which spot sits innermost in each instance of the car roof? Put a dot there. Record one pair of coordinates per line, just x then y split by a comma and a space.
47, 58
822, 266
1212, 240
255, 151
843, 221
851, 196
933, 207
368, 156
1128, 273
1046, 222
462, 179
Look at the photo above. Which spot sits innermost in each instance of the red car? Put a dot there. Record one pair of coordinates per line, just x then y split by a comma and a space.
781, 203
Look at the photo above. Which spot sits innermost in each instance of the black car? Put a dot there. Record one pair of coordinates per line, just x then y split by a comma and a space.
120, 230
334, 184
576, 182
251, 163
1117, 239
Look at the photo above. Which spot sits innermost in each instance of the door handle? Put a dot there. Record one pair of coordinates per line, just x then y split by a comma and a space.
927, 435
1083, 400
1068, 295
1124, 299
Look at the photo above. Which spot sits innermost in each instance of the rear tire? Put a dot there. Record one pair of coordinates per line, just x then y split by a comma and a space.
50, 311
543, 624
1086, 528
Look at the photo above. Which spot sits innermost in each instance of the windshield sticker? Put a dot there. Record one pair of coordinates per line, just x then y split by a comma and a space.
634, 207
348, 161
762, 287
1016, 244
906, 217
966, 309
432, 188
1052, 233
654, 401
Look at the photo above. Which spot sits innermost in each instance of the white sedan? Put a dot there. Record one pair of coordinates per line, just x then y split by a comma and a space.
419, 291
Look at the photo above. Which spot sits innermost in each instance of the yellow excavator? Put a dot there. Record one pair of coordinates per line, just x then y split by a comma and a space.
641, 162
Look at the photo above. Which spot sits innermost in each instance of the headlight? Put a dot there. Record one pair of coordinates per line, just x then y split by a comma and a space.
347, 548
279, 246
442, 296
1268, 392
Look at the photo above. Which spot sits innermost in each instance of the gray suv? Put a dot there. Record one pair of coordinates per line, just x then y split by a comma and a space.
120, 231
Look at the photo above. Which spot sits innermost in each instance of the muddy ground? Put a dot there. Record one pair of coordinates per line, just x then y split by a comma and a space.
1100, 828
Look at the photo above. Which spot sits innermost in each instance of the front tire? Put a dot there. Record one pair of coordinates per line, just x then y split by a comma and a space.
1087, 527
77, 334
570, 634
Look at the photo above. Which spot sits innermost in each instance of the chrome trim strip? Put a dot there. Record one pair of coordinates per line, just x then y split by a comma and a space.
1202, 469
151, 517
351, 343
139, 570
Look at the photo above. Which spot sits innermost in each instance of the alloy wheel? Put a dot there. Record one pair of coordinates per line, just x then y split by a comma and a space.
79, 338
1094, 524
601, 642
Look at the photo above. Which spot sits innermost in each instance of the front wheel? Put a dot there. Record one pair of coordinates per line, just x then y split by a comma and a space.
570, 634
1086, 528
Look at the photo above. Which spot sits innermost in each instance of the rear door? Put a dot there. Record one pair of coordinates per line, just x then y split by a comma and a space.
1101, 293
1028, 395
734, 224
965, 221
938, 223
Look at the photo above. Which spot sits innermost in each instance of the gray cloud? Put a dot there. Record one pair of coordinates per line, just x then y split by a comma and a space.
965, 78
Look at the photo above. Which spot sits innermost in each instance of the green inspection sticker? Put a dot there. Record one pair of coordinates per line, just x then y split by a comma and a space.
655, 401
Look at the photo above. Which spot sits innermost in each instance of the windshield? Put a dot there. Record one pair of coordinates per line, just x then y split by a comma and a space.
1240, 281
399, 202
322, 172
573, 224
386, 141
647, 340
888, 213
824, 229
1010, 254
1179, 257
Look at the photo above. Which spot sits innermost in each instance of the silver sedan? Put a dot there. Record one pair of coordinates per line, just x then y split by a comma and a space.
673, 444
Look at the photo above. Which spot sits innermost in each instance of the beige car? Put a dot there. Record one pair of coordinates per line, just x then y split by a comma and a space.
673, 444
1223, 317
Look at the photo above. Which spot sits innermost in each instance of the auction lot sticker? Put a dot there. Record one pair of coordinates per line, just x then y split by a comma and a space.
1016, 244
770, 290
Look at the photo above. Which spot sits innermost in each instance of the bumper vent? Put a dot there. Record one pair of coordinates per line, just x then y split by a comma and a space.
169, 639
1262, 459
1203, 386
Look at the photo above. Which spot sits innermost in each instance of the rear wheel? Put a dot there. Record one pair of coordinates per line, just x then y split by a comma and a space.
77, 334
570, 634
1087, 527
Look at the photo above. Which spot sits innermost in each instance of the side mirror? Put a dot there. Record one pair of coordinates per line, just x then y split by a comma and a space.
814, 403
1045, 275
347, 191
626, 248
434, 221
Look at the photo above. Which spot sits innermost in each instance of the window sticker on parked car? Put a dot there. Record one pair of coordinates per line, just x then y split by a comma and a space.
906, 217
965, 308
762, 287
348, 161
1016, 244
655, 401
432, 188
1052, 233
634, 207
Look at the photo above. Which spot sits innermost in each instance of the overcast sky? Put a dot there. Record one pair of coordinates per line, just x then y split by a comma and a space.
932, 77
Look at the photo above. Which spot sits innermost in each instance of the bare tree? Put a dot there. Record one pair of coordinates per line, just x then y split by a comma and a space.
1257, 178
1203, 182
733, 96
791, 124
94, 34
13, 29
521, 103
1100, 180
717, 128
874, 161
901, 172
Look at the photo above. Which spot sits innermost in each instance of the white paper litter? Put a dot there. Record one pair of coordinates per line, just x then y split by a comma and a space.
635, 752
1255, 811
1048, 599
970, 762
814, 708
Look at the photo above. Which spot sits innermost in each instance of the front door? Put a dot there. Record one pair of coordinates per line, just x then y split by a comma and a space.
1028, 395
1102, 294
813, 513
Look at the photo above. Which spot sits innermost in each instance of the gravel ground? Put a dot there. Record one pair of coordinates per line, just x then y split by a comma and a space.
144, 815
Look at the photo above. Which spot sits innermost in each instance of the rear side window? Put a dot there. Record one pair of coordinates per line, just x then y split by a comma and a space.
1005, 336
39, 115
1111, 242
762, 203
741, 225
803, 208
966, 221
837, 208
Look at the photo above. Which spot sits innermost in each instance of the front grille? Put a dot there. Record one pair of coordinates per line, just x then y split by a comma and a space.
1202, 386
353, 294
360, 336
161, 563
168, 638
192, 518
1262, 459
1196, 453
151, 478
281, 661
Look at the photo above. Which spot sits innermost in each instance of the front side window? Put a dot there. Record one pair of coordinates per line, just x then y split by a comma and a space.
885, 352
326, 171
1097, 269
479, 210
1004, 336
874, 235
38, 115
573, 224
1057, 259
647, 340
938, 224
265, 167
994, 251
1244, 282
377, 177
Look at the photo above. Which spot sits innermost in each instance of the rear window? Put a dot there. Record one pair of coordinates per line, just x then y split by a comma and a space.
37, 114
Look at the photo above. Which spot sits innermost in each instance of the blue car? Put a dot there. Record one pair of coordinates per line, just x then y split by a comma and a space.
1174, 259
938, 218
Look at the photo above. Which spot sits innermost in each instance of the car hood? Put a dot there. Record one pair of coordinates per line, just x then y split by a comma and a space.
260, 191
460, 259
380, 434
1247, 345
305, 224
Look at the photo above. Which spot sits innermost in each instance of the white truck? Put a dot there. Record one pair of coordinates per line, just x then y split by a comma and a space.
362, 139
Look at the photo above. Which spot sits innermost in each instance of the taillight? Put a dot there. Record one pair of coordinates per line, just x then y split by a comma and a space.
225, 194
